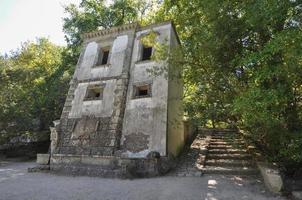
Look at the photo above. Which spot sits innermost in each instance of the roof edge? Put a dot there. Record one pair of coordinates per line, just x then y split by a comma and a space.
115, 29
125, 27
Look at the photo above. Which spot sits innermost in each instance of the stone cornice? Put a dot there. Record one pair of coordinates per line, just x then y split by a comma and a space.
98, 79
133, 26
117, 29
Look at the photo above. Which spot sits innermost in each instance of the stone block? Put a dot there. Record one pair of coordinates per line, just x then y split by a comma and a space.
98, 160
65, 159
297, 195
43, 159
271, 176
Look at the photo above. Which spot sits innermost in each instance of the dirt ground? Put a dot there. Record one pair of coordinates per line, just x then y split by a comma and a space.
17, 184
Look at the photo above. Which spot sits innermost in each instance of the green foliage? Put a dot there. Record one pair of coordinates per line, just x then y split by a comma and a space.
270, 107
33, 86
208, 78
92, 15
242, 66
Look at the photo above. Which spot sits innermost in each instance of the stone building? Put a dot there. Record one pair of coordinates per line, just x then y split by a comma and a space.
116, 111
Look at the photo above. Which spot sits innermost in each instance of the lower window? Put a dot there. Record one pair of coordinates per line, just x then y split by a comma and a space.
142, 91
94, 92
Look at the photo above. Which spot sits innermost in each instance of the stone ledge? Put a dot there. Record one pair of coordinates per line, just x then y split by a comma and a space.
82, 159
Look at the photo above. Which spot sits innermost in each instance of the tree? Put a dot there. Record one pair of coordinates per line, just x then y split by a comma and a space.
33, 83
92, 15
242, 60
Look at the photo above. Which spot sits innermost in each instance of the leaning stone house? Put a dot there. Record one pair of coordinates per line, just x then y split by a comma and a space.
115, 110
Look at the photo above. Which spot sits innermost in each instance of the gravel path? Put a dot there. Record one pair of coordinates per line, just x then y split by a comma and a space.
17, 184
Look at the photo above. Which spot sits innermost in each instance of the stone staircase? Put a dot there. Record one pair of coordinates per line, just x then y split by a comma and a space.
227, 154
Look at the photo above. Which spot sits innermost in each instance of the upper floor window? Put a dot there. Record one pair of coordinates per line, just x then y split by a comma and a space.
146, 52
147, 41
103, 57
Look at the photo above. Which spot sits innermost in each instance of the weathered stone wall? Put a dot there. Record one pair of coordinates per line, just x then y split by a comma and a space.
94, 127
97, 108
117, 135
89, 70
139, 125
87, 136
145, 121
176, 137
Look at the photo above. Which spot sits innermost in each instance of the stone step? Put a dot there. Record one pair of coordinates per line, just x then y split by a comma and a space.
230, 170
227, 151
226, 143
70, 96
225, 136
229, 162
225, 139
229, 156
224, 132
226, 146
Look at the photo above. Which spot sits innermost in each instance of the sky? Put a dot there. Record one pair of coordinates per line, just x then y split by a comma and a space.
23, 20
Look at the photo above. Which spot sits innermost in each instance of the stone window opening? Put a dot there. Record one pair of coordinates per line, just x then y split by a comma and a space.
146, 52
103, 57
142, 91
94, 92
